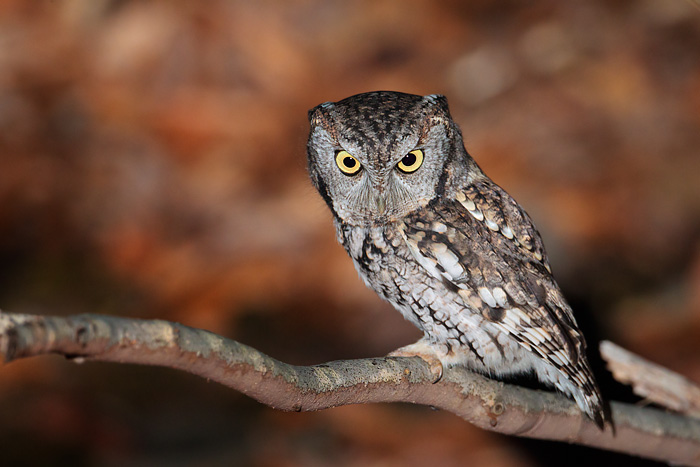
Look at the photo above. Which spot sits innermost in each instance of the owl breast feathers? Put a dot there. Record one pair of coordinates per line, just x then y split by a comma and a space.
447, 247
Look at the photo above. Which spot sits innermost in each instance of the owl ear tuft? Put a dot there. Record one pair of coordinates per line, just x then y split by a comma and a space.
317, 114
437, 101
437, 110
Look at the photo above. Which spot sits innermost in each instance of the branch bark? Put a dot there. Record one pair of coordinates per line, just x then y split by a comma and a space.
486, 403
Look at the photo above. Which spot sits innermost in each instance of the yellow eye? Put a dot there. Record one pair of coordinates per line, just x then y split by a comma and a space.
346, 163
411, 161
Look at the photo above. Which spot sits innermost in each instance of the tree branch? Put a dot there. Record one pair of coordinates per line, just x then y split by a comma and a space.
651, 381
486, 403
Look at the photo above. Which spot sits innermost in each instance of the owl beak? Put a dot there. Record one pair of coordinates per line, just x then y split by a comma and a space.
380, 202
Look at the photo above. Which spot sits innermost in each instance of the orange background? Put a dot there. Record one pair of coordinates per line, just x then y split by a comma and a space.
152, 165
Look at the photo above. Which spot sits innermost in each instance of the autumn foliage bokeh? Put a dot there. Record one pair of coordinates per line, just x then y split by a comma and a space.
152, 165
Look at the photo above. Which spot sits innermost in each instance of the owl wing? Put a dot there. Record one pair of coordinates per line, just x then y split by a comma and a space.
483, 246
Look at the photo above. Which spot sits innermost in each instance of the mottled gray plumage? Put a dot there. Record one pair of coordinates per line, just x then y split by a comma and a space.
450, 249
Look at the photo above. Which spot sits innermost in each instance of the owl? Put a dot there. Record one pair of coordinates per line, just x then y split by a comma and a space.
447, 247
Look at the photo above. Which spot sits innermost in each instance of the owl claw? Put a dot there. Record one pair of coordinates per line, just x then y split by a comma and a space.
426, 352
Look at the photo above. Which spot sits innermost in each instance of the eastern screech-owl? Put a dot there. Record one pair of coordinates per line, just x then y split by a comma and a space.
446, 246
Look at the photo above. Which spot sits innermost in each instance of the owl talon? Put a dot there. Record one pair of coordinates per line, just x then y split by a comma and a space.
427, 353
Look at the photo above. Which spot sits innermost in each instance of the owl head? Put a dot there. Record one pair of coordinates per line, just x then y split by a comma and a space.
379, 156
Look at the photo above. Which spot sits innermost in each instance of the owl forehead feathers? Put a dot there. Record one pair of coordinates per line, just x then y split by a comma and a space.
381, 120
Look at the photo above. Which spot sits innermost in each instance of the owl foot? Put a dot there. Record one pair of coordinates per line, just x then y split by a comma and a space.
425, 351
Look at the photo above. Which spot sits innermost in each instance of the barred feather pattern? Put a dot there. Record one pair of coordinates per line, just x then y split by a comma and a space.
472, 274
447, 247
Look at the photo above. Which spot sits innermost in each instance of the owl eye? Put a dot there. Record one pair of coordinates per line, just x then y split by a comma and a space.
411, 161
347, 163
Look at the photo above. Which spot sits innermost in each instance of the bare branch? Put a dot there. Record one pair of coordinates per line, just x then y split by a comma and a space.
488, 404
652, 381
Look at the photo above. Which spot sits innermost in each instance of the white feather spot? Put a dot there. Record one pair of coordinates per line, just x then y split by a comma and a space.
487, 297
511, 318
469, 204
425, 261
542, 334
509, 323
491, 225
428, 295
537, 256
452, 321
378, 240
500, 295
503, 338
461, 197
449, 261
507, 232
356, 238
517, 315
478, 215
440, 315
526, 345
533, 336
509, 326
439, 227
562, 356
479, 349
439, 248
556, 358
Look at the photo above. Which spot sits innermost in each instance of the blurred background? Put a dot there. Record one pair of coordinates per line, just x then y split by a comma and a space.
152, 165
